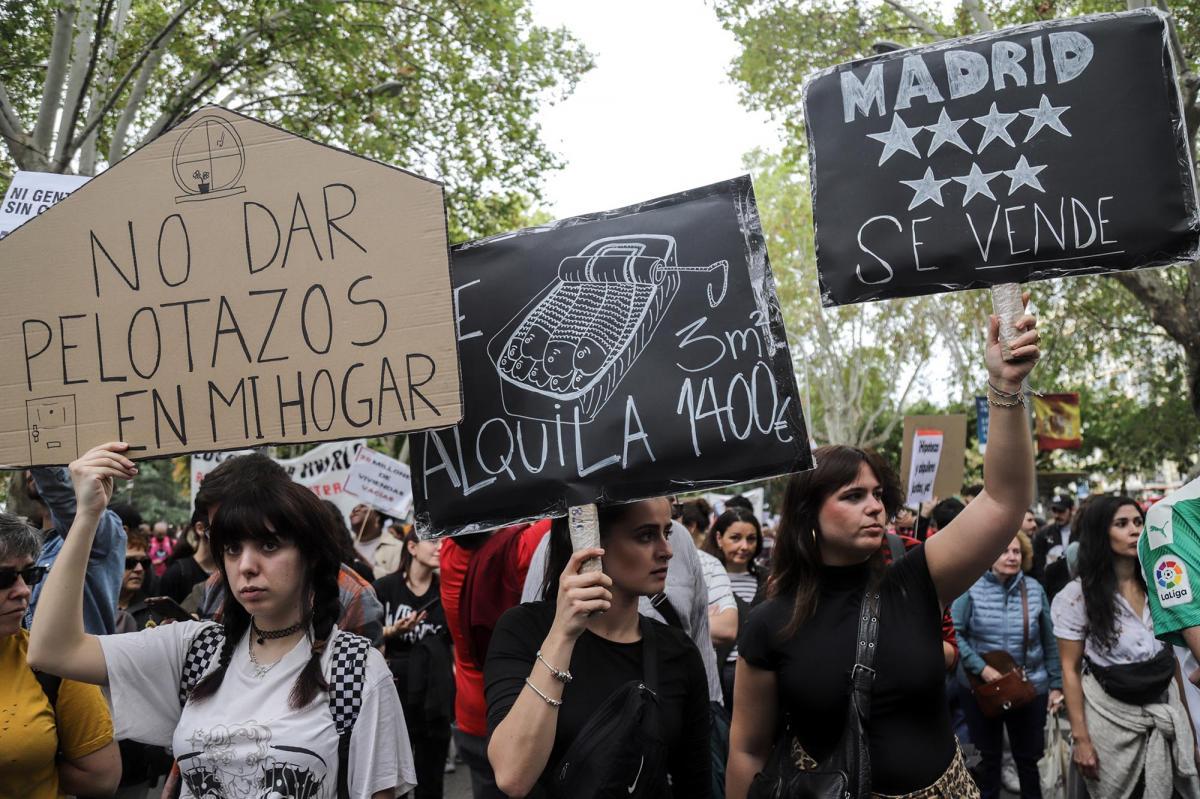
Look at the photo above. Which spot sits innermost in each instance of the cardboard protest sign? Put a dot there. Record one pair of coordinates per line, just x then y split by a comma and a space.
323, 470
383, 483
925, 456
952, 457
227, 285
616, 356
32, 193
1052, 149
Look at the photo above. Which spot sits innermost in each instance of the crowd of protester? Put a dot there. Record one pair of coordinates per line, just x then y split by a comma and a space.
276, 646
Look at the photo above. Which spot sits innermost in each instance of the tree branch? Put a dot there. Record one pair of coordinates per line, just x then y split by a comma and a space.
8, 115
922, 24
56, 71
185, 97
98, 115
978, 15
1161, 299
116, 147
87, 152
62, 154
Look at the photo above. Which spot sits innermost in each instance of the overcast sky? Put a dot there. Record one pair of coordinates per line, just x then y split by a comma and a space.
656, 115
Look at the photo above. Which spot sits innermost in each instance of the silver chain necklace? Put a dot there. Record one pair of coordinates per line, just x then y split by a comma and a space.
260, 671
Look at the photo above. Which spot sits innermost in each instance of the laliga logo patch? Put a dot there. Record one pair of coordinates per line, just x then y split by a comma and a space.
1171, 580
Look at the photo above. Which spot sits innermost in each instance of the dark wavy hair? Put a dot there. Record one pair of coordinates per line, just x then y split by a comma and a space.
559, 549
268, 509
1097, 572
733, 515
796, 562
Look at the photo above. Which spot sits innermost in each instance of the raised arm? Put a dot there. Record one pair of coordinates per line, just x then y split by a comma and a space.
520, 745
961, 553
57, 641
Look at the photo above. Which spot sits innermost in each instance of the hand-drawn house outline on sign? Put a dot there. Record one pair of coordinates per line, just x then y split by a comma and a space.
566, 351
209, 160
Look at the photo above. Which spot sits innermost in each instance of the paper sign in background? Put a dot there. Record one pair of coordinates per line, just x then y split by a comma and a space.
227, 285
383, 483
926, 455
952, 462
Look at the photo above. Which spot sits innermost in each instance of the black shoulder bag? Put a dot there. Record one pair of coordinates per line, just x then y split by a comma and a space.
845, 774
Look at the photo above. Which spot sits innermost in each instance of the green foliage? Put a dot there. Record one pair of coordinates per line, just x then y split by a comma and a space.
448, 88
160, 491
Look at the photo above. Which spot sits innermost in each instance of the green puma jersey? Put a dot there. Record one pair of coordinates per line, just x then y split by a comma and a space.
1169, 551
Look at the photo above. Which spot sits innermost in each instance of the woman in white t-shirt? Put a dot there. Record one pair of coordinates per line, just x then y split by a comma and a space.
259, 720
1129, 727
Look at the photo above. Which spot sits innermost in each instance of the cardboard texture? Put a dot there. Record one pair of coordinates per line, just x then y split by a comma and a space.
953, 461
228, 285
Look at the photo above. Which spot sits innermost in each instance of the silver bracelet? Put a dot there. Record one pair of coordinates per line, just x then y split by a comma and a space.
563, 677
555, 703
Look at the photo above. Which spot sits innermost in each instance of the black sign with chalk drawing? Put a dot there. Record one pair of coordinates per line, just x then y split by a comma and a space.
1042, 151
616, 356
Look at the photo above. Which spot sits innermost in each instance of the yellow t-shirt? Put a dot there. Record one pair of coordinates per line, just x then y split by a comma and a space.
29, 735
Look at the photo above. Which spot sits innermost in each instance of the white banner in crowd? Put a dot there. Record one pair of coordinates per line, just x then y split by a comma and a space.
757, 497
324, 470
383, 483
30, 193
927, 453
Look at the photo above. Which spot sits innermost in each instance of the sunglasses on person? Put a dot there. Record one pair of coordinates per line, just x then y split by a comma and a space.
32, 575
130, 563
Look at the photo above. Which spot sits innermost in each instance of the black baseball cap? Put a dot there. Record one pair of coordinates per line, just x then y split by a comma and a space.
1062, 502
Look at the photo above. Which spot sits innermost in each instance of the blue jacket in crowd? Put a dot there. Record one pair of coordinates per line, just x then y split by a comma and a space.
988, 617
106, 563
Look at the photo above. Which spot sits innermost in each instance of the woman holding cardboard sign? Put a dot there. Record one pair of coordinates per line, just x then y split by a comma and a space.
806, 682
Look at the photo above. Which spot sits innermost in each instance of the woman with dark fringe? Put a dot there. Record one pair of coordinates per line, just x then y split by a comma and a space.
252, 715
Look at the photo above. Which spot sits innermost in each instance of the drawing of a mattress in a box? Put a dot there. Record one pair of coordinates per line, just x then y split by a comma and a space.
570, 347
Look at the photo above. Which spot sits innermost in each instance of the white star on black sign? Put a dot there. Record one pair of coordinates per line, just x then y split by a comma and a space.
1024, 175
1046, 115
898, 137
995, 126
927, 188
976, 182
946, 132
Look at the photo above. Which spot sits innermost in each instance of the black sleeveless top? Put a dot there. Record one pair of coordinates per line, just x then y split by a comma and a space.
909, 729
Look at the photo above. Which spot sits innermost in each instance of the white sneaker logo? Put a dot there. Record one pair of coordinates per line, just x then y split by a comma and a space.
637, 776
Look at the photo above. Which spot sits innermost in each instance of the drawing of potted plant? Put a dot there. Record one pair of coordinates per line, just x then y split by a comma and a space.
202, 179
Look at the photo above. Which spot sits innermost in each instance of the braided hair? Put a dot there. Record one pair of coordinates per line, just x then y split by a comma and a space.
270, 511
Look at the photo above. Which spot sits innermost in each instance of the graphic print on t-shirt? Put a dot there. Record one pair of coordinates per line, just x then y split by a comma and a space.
240, 762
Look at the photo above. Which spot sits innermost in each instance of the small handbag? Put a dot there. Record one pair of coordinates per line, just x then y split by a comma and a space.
845, 774
1013, 689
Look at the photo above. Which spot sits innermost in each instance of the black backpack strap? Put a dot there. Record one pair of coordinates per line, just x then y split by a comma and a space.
347, 676
663, 605
895, 547
204, 648
50, 684
649, 655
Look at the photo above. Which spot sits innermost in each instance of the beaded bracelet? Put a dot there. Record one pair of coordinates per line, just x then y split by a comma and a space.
555, 703
563, 677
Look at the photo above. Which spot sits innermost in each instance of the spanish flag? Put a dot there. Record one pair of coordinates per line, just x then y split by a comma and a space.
1057, 422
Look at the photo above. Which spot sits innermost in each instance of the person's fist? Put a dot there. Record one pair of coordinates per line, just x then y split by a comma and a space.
94, 473
581, 594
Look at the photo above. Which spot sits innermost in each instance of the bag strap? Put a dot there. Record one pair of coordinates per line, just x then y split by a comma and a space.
663, 605
1025, 622
862, 676
204, 647
895, 546
348, 675
649, 655
50, 684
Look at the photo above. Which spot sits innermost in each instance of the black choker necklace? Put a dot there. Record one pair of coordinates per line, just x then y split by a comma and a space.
262, 635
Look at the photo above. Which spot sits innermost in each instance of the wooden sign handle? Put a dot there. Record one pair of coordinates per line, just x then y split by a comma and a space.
585, 533
1006, 304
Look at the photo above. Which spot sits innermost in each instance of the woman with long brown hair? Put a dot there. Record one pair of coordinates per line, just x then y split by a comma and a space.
796, 672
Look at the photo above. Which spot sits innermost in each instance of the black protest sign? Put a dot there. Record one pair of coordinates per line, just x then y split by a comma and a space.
616, 356
1042, 151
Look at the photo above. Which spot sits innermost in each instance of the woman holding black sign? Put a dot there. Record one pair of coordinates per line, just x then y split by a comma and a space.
585, 697
806, 681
